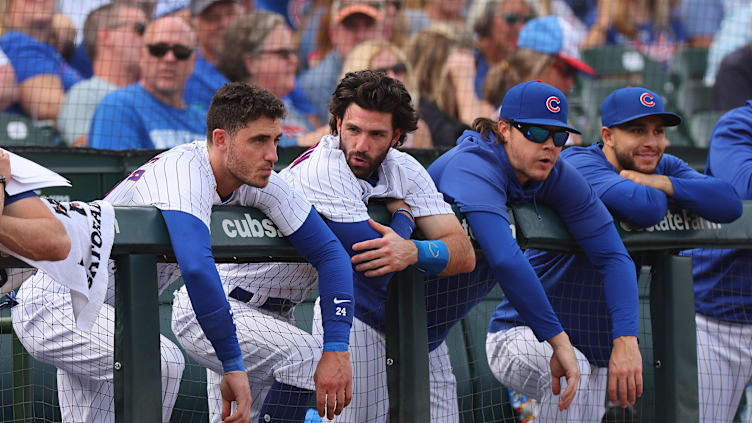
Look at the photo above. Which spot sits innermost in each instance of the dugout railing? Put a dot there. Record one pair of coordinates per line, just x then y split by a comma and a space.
142, 240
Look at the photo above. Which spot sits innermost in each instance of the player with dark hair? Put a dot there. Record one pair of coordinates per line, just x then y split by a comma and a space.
372, 113
235, 167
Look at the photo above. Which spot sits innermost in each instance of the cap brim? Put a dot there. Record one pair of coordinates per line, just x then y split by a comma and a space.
355, 9
548, 122
670, 119
578, 64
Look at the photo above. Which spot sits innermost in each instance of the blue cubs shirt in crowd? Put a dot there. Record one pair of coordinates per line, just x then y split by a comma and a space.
722, 277
31, 58
133, 118
477, 177
200, 87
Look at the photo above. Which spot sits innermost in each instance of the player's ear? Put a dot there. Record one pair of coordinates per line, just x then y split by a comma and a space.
219, 138
607, 136
397, 135
339, 125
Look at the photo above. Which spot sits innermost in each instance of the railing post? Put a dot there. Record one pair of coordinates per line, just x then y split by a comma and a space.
22, 400
137, 366
672, 308
407, 348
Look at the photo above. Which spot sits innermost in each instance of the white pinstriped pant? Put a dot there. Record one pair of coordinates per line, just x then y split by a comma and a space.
522, 363
44, 323
370, 401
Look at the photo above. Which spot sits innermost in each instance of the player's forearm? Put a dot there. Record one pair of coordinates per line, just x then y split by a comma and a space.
461, 254
36, 239
711, 198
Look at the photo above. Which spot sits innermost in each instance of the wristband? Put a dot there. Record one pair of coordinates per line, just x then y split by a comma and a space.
402, 225
433, 256
335, 346
408, 212
233, 365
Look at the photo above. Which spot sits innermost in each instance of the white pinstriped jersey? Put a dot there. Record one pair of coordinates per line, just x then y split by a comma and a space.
323, 176
181, 179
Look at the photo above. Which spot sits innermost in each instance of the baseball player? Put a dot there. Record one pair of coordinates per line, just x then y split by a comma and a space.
234, 166
723, 293
515, 160
635, 180
371, 114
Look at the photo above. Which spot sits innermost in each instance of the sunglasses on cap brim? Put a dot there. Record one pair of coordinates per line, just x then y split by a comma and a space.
539, 135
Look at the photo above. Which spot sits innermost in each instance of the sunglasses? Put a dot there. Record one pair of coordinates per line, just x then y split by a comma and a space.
540, 135
138, 27
284, 53
399, 68
180, 51
513, 18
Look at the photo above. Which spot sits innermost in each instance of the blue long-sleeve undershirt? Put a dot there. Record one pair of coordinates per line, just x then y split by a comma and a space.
322, 249
191, 243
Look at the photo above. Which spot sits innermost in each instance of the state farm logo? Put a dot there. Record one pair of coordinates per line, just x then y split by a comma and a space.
679, 221
250, 228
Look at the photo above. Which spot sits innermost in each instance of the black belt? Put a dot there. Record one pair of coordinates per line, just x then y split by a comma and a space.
276, 305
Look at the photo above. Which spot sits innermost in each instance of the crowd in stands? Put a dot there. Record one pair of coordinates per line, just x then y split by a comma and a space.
115, 75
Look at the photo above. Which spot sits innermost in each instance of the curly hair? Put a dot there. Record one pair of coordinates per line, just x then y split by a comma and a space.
377, 92
236, 104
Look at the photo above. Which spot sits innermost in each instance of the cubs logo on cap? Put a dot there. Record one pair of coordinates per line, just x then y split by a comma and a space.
552, 104
627, 104
536, 103
647, 100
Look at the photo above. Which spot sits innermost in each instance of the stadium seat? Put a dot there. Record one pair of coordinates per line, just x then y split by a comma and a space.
677, 137
594, 91
693, 97
20, 130
689, 64
701, 127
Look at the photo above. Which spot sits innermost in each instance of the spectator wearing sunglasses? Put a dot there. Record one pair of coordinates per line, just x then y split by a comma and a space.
151, 114
210, 20
514, 160
43, 76
496, 24
259, 49
113, 37
383, 56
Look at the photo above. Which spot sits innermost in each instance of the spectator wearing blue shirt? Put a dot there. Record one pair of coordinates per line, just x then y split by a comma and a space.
151, 113
633, 177
42, 74
723, 292
210, 20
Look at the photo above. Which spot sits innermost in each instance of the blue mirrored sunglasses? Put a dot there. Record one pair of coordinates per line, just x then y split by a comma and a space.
540, 135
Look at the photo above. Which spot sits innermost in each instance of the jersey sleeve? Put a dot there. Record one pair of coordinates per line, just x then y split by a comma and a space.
421, 195
287, 208
730, 155
326, 181
709, 197
117, 126
591, 225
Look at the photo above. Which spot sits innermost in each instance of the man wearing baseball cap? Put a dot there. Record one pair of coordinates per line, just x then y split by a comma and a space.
633, 177
352, 22
209, 19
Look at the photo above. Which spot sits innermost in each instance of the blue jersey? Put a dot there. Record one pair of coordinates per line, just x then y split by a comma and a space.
477, 177
723, 278
131, 118
200, 87
575, 288
31, 58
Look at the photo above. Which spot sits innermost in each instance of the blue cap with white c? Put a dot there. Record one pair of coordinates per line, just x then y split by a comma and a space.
536, 103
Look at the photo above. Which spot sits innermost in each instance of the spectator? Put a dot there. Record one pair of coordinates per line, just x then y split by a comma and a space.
647, 25
63, 35
733, 34
701, 19
211, 18
352, 21
496, 24
444, 69
258, 49
113, 38
383, 56
733, 84
152, 113
43, 76
8, 85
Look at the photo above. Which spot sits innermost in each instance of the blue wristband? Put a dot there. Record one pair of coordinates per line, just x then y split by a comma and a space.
233, 365
433, 256
402, 225
335, 346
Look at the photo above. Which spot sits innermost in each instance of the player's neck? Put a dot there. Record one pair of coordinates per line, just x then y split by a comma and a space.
226, 183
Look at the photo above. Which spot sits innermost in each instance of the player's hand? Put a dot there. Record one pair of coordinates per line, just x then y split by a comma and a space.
5, 165
234, 387
625, 371
659, 182
388, 254
564, 364
333, 379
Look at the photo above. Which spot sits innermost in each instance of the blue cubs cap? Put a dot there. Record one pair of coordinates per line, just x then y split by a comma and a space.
536, 103
628, 104
555, 36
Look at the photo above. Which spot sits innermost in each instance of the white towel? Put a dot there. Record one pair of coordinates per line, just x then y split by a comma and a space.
91, 228
27, 175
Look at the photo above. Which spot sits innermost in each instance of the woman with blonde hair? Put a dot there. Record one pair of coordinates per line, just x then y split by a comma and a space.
383, 56
444, 67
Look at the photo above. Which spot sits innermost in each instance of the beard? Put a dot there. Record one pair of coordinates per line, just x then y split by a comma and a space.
627, 162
